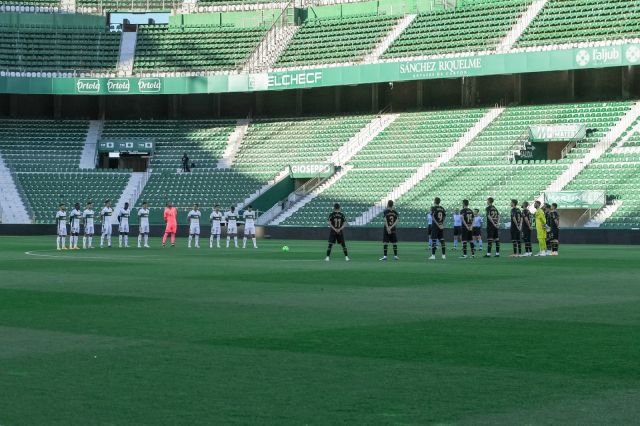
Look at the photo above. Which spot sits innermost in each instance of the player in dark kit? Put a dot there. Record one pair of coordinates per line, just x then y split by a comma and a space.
438, 214
555, 229
549, 218
389, 234
467, 229
526, 229
337, 221
516, 229
493, 233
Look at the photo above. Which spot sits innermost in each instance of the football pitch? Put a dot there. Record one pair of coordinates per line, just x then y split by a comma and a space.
232, 336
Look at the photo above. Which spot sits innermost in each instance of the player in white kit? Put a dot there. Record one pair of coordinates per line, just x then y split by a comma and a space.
143, 225
193, 217
87, 218
61, 226
216, 219
74, 226
123, 226
106, 216
249, 217
231, 217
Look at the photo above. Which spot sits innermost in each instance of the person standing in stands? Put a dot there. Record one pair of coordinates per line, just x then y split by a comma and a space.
170, 217
185, 163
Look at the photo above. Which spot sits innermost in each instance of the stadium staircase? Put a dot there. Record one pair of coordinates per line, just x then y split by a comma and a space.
427, 168
603, 214
520, 27
127, 53
68, 6
90, 149
384, 44
233, 144
596, 152
133, 190
270, 48
12, 209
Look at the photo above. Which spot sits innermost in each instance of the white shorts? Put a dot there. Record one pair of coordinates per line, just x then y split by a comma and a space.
62, 231
215, 229
107, 229
88, 229
75, 229
194, 229
249, 230
123, 227
144, 228
232, 229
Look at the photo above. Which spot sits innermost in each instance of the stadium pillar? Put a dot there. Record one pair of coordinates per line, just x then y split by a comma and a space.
299, 96
626, 82
571, 85
469, 91
419, 94
374, 98
517, 88
337, 99
174, 106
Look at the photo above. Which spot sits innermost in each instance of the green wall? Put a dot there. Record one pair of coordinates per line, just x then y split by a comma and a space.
247, 19
52, 20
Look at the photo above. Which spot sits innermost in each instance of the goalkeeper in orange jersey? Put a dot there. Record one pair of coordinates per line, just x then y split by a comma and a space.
170, 217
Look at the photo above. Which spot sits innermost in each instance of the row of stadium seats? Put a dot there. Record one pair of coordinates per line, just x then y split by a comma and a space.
566, 21
471, 27
59, 49
271, 145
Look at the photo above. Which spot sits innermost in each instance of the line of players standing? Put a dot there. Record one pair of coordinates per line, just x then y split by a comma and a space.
467, 228
76, 218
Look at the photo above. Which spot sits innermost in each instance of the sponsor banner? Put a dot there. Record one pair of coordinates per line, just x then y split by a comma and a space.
576, 199
128, 146
558, 133
297, 171
471, 66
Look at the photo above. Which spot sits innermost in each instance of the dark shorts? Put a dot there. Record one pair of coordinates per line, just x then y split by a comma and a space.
553, 234
477, 232
467, 235
457, 230
492, 233
336, 238
526, 235
437, 233
389, 237
516, 235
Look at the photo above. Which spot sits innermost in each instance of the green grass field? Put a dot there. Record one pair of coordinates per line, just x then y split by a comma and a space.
217, 337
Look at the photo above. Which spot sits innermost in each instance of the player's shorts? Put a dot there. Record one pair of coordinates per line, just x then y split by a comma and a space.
194, 229
107, 229
334, 237
467, 235
516, 235
143, 228
232, 228
457, 230
526, 234
75, 229
62, 231
437, 233
123, 228
476, 231
249, 229
553, 234
389, 237
215, 229
492, 233
89, 229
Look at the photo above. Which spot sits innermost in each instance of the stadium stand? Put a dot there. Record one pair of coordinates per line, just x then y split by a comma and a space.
471, 27
59, 49
203, 48
383, 163
271, 145
341, 40
566, 21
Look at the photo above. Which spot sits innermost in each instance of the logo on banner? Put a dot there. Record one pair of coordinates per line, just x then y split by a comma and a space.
88, 85
149, 85
118, 85
583, 58
633, 54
